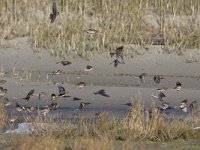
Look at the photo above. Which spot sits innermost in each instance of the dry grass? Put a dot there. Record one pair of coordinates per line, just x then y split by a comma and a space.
118, 22
105, 131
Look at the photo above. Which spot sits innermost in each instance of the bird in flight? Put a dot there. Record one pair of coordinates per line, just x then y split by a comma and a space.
62, 92
29, 95
54, 12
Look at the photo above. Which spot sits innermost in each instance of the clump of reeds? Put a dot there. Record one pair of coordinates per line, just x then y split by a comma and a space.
105, 130
117, 22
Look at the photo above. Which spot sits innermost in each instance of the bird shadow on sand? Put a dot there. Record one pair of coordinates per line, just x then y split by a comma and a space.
102, 92
76, 99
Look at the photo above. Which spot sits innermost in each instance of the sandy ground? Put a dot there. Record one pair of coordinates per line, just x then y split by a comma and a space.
121, 83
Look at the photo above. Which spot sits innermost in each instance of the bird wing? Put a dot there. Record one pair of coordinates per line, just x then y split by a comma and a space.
31, 92
119, 49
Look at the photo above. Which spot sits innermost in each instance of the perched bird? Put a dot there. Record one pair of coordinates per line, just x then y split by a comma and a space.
2, 82
29, 95
56, 72
178, 86
54, 12
142, 78
64, 62
62, 91
81, 85
88, 68
91, 31
157, 79
102, 93
185, 107
160, 96
162, 89
2, 92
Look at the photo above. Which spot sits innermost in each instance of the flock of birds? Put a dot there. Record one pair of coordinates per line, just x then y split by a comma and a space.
62, 93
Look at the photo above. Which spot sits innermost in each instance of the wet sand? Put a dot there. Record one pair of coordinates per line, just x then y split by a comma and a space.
120, 84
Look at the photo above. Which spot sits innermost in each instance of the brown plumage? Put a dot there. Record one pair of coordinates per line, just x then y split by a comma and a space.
54, 12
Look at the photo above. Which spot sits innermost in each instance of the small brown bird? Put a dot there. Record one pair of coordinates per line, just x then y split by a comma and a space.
64, 62
178, 86
54, 12
142, 78
2, 82
162, 89
157, 79
56, 72
91, 31
19, 107
185, 107
2, 92
83, 104
81, 85
29, 95
160, 96
62, 91
88, 68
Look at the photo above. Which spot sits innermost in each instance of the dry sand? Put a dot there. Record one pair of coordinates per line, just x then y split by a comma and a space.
119, 83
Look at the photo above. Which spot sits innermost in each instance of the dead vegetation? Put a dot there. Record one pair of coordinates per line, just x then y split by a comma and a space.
104, 130
139, 22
